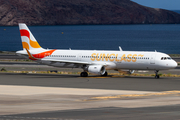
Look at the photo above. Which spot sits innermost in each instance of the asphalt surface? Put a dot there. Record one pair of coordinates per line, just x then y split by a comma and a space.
92, 82
10, 56
18, 63
169, 112
129, 83
111, 113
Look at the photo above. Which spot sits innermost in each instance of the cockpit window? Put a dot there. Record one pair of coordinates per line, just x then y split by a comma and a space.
166, 58
169, 58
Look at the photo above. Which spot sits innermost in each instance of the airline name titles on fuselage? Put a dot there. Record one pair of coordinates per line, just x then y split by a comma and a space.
114, 57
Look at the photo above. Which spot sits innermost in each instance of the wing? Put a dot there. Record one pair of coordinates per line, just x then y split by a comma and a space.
67, 61
79, 62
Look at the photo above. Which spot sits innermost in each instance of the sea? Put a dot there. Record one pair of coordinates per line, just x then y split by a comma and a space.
149, 37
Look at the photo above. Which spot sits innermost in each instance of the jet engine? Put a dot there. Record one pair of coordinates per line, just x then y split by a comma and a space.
96, 69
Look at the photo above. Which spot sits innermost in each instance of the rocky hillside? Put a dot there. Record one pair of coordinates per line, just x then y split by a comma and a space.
57, 12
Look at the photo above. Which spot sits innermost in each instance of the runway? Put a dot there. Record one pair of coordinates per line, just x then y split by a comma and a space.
107, 113
70, 97
92, 82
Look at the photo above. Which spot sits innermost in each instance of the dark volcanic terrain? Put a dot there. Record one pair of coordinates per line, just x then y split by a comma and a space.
58, 12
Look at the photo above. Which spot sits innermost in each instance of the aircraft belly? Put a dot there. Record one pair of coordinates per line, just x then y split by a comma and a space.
133, 66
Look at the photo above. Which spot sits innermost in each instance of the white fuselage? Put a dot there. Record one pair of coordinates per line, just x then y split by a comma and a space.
112, 60
93, 61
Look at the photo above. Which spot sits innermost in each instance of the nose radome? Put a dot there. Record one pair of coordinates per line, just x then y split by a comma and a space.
174, 64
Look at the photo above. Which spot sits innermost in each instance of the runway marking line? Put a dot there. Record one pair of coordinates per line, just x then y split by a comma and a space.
175, 92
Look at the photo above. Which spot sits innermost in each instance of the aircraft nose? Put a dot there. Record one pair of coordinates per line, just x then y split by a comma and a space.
173, 64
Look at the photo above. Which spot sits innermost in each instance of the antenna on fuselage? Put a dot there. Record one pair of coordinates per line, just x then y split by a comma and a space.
120, 48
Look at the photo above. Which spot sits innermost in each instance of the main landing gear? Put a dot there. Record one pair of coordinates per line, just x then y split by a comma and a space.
84, 74
156, 72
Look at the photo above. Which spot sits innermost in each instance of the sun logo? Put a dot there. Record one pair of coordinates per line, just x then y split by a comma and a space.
28, 40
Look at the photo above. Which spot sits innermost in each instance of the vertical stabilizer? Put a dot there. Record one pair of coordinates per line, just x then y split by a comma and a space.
28, 40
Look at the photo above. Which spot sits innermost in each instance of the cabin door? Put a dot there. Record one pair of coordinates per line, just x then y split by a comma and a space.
152, 59
79, 57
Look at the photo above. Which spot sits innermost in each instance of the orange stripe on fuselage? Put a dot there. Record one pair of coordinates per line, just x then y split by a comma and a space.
43, 54
30, 57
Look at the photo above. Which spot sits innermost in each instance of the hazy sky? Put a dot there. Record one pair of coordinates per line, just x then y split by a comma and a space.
165, 4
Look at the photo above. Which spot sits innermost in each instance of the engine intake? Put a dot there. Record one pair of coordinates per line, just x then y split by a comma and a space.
97, 69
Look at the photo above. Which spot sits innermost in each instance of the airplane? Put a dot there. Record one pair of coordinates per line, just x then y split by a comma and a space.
93, 61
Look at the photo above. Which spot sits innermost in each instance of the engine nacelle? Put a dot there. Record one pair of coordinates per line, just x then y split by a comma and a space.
126, 71
97, 69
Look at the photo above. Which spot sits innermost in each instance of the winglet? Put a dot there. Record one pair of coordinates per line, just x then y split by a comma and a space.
30, 56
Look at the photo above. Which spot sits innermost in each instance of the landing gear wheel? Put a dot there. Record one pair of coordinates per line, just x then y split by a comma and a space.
157, 76
105, 74
156, 72
84, 74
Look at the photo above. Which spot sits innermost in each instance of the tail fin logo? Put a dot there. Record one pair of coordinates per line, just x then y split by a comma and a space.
33, 44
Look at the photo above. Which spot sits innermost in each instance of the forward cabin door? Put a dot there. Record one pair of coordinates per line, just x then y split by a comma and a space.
79, 57
152, 59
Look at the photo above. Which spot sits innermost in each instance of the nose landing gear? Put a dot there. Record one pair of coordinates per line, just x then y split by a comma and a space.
156, 72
